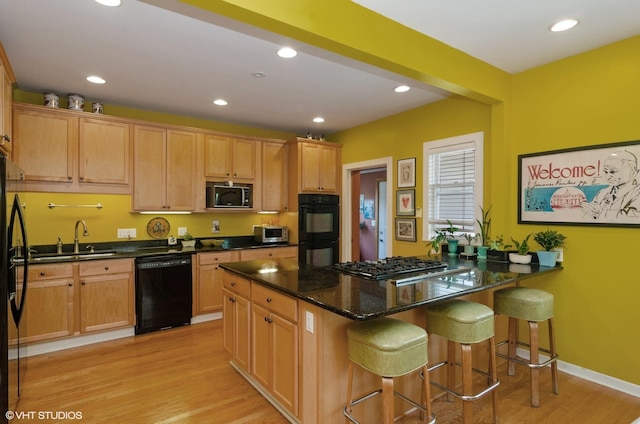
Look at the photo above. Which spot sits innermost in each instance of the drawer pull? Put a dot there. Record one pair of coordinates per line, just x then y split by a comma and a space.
83, 282
70, 284
269, 300
42, 274
233, 284
106, 268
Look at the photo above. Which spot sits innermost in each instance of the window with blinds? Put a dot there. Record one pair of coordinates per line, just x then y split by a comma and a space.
453, 183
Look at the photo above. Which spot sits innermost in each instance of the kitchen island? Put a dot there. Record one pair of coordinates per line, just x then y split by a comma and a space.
285, 324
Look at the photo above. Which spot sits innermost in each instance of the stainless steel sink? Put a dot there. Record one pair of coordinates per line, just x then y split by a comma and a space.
71, 256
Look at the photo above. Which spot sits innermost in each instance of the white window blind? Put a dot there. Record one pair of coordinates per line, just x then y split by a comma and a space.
453, 183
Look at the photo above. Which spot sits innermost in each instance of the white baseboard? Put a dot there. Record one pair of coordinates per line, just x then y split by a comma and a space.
589, 375
207, 317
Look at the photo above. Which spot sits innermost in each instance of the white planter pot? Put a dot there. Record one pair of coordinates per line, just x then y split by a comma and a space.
519, 259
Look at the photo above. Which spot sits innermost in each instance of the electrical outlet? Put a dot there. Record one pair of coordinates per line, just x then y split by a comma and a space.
182, 231
309, 321
127, 233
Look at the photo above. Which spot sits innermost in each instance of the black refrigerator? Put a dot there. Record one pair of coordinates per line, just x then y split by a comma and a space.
13, 286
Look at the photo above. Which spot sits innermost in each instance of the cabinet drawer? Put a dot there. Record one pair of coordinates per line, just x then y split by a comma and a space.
51, 271
269, 253
237, 284
110, 266
279, 303
216, 257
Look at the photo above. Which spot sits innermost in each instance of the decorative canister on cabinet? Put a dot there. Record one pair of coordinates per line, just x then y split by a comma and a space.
76, 102
51, 100
97, 108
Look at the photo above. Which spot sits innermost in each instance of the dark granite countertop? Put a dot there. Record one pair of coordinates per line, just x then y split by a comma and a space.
360, 299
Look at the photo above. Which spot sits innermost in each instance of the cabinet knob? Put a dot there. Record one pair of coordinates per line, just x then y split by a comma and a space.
69, 178
81, 178
42, 273
83, 283
269, 300
269, 320
70, 284
6, 138
232, 299
233, 284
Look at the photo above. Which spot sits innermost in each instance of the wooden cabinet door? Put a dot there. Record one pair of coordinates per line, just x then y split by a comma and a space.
104, 152
106, 301
209, 289
284, 362
150, 159
217, 157
49, 311
310, 164
261, 358
6, 123
180, 170
329, 169
242, 323
45, 144
274, 177
244, 159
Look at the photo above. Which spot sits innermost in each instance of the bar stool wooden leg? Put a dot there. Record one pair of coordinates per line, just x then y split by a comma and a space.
425, 399
349, 390
534, 372
467, 383
451, 368
513, 340
554, 364
493, 372
388, 412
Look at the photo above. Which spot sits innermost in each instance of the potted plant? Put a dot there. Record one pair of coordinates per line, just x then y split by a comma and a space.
445, 234
188, 240
483, 235
468, 248
498, 250
522, 255
549, 240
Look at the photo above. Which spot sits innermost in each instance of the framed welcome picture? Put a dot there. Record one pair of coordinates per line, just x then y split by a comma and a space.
405, 202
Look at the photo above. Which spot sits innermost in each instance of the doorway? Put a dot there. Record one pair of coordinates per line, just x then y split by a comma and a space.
350, 231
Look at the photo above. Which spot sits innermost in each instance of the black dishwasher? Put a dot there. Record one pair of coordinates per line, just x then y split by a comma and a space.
163, 292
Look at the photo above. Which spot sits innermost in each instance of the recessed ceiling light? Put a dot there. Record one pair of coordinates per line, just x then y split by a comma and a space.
220, 102
318, 119
563, 25
95, 79
287, 52
111, 3
258, 74
402, 89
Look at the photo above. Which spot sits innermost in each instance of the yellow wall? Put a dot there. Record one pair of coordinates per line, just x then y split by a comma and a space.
584, 100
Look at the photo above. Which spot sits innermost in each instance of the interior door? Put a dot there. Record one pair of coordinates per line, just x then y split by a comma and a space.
381, 213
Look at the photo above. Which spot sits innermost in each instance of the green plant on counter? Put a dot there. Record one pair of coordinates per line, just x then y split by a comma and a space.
469, 237
187, 237
498, 243
549, 239
485, 226
442, 235
522, 247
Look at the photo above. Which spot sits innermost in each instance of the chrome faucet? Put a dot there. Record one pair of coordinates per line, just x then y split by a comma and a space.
76, 243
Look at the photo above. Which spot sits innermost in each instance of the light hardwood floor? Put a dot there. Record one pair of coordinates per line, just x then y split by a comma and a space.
183, 376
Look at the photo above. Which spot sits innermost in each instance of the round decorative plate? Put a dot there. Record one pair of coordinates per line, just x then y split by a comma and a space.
158, 228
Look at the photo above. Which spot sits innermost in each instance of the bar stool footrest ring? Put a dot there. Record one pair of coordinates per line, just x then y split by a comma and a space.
347, 409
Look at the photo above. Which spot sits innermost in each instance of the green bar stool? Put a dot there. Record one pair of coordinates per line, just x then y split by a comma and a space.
465, 323
389, 348
535, 306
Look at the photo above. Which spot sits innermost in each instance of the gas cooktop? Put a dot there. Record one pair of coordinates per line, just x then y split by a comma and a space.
389, 267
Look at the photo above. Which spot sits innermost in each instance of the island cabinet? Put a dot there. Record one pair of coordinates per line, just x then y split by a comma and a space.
64, 150
274, 344
208, 288
236, 316
107, 297
164, 169
6, 98
275, 181
230, 159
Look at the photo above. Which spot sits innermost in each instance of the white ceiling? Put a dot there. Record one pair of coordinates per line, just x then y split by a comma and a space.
157, 57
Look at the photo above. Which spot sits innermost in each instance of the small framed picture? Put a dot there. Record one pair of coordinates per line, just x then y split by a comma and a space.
406, 229
405, 202
407, 172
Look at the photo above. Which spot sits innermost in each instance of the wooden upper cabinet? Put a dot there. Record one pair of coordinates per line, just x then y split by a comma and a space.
274, 176
45, 144
104, 152
229, 158
6, 99
314, 167
164, 163
87, 154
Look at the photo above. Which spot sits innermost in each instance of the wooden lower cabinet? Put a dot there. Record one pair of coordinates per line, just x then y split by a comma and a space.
107, 296
208, 293
64, 299
290, 252
236, 317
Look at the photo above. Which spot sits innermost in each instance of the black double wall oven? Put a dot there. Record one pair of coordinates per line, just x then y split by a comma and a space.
318, 229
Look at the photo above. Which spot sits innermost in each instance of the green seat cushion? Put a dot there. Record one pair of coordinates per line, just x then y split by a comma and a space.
387, 347
524, 303
460, 321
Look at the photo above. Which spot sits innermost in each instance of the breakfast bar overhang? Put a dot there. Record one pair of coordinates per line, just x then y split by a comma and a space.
329, 301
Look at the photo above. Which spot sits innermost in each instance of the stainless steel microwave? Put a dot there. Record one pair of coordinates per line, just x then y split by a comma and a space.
270, 234
220, 195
